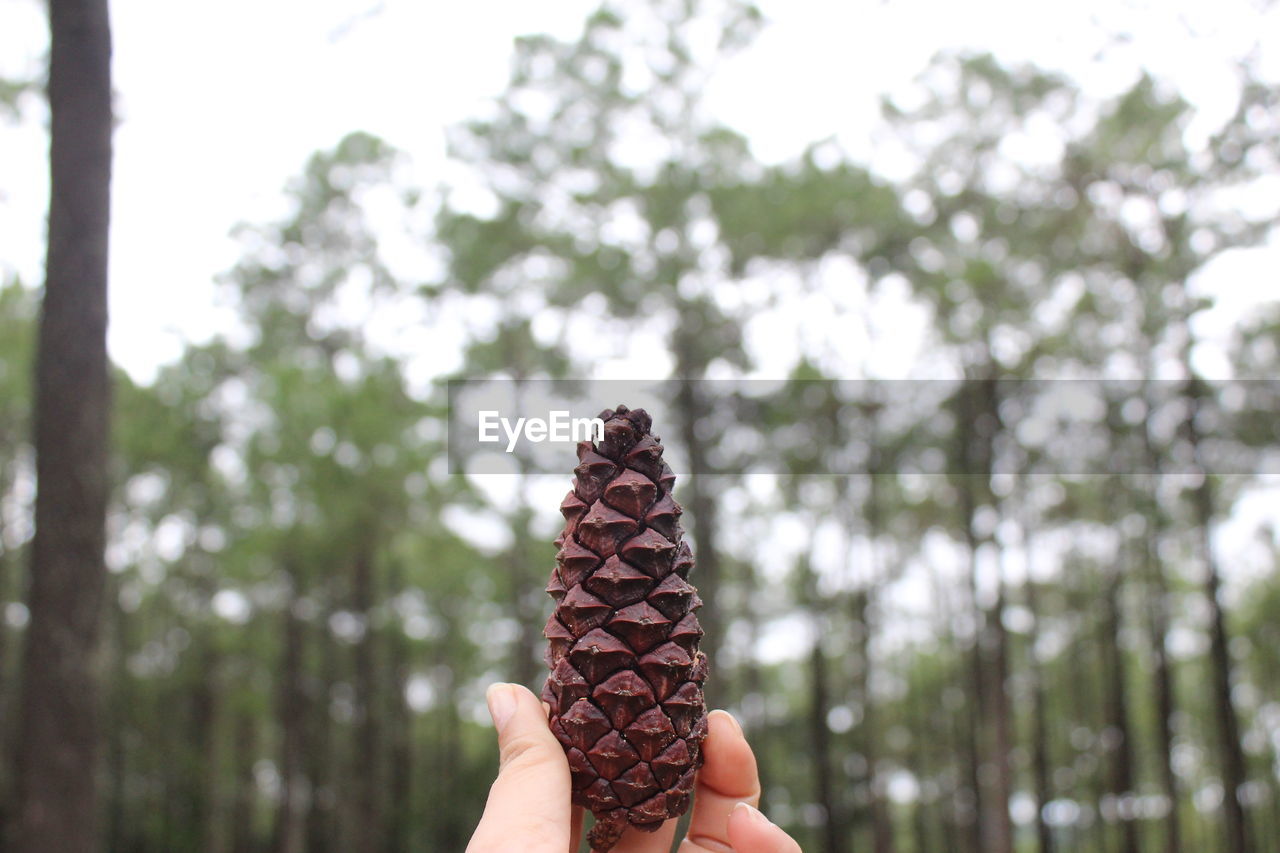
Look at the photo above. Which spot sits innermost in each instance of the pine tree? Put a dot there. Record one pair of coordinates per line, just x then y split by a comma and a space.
58, 737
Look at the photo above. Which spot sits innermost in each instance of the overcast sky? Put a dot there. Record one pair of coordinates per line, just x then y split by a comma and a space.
220, 104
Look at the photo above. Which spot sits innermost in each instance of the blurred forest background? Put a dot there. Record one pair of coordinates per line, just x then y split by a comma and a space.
303, 607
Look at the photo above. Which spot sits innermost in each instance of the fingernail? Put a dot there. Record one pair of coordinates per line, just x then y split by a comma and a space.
752, 812
501, 699
732, 719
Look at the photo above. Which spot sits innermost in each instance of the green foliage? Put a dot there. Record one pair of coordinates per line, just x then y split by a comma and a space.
17, 343
12, 91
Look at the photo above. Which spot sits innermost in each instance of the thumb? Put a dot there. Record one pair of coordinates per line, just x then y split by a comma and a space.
528, 807
751, 832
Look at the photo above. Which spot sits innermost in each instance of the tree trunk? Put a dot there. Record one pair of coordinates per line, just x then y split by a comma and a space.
242, 811
451, 835
290, 833
820, 741
401, 758
881, 821
1116, 708
1162, 676
207, 712
881, 826
118, 805
1083, 600
58, 741
322, 758
978, 424
7, 572
1118, 734
920, 766
977, 704
973, 813
961, 755
527, 598
754, 713
367, 764
703, 525
1040, 757
1234, 772
1158, 628
1000, 737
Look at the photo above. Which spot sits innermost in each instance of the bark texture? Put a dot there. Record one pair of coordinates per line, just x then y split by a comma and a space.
57, 758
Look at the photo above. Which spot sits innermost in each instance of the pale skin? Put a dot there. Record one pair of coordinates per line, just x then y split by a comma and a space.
528, 810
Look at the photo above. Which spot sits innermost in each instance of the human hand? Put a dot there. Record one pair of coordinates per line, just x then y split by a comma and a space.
529, 809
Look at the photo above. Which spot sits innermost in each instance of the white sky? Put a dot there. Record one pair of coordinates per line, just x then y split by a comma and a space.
219, 105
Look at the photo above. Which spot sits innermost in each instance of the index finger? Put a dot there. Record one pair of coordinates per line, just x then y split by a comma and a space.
728, 777
530, 797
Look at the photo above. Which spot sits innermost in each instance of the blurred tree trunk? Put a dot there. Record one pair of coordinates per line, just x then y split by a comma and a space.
322, 757
58, 737
1233, 764
978, 714
366, 769
1041, 767
446, 738
956, 714
1116, 710
118, 799
400, 795
206, 710
881, 827
978, 422
1117, 732
1234, 772
452, 836
919, 765
1162, 676
972, 812
1001, 730
172, 802
1158, 620
526, 596
528, 601
290, 831
881, 823
242, 810
754, 690
1082, 599
700, 508
833, 834
8, 569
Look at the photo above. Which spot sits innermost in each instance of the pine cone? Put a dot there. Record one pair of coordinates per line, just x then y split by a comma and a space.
625, 688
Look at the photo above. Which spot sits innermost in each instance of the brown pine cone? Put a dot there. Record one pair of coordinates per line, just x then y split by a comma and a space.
625, 688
